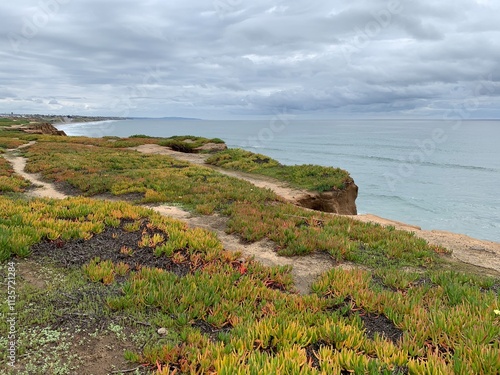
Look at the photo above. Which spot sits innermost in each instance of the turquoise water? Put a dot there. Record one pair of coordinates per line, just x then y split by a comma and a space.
434, 174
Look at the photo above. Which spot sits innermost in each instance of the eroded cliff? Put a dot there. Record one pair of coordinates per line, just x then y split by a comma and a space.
336, 201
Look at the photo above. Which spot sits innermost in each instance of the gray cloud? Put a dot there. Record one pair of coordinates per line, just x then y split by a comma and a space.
230, 58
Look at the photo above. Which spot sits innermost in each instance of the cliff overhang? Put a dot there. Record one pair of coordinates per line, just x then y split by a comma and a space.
338, 201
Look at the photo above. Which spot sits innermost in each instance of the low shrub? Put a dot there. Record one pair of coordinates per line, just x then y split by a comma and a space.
187, 143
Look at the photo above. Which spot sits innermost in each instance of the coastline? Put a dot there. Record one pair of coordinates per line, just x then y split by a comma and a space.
467, 249
462, 179
83, 122
89, 120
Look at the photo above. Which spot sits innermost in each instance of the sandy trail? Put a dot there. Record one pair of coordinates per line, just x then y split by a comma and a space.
42, 189
485, 254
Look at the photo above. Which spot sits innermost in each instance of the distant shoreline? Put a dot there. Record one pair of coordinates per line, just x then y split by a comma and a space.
83, 120
86, 122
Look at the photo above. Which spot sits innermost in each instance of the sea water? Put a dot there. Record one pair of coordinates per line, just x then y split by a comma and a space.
435, 174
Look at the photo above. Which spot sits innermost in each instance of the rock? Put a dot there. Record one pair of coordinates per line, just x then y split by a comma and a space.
212, 147
44, 128
162, 331
337, 201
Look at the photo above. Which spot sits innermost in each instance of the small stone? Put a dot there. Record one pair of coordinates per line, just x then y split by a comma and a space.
162, 331
477, 248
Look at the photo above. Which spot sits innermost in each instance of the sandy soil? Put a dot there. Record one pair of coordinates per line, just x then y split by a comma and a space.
305, 269
42, 189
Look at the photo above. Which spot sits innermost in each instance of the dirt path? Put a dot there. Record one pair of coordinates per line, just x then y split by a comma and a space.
305, 269
485, 254
42, 189
280, 188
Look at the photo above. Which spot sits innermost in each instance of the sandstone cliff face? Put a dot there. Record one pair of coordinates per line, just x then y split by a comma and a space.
336, 201
212, 147
45, 128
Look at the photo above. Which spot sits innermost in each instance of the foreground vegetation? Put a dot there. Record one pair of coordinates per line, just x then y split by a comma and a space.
5, 121
309, 177
221, 316
9, 181
188, 306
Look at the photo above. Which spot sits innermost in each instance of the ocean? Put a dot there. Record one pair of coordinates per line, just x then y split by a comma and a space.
442, 175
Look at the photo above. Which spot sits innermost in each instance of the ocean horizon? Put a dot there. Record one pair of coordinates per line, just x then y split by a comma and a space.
436, 174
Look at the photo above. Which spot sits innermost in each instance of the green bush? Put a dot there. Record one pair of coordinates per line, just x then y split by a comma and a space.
187, 143
140, 136
180, 146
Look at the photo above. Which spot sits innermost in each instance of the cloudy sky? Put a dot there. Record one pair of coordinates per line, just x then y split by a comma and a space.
220, 59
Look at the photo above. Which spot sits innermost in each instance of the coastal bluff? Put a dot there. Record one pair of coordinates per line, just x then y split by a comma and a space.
337, 201
264, 172
41, 128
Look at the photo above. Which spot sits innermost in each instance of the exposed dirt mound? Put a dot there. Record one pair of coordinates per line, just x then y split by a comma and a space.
382, 325
211, 147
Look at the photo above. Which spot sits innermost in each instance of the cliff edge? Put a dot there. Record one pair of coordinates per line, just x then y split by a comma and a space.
43, 128
337, 201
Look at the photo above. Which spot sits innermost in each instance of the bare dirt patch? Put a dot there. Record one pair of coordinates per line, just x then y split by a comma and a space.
161, 150
109, 245
380, 324
29, 272
103, 355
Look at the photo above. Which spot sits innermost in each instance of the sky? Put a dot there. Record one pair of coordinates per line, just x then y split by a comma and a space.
231, 59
